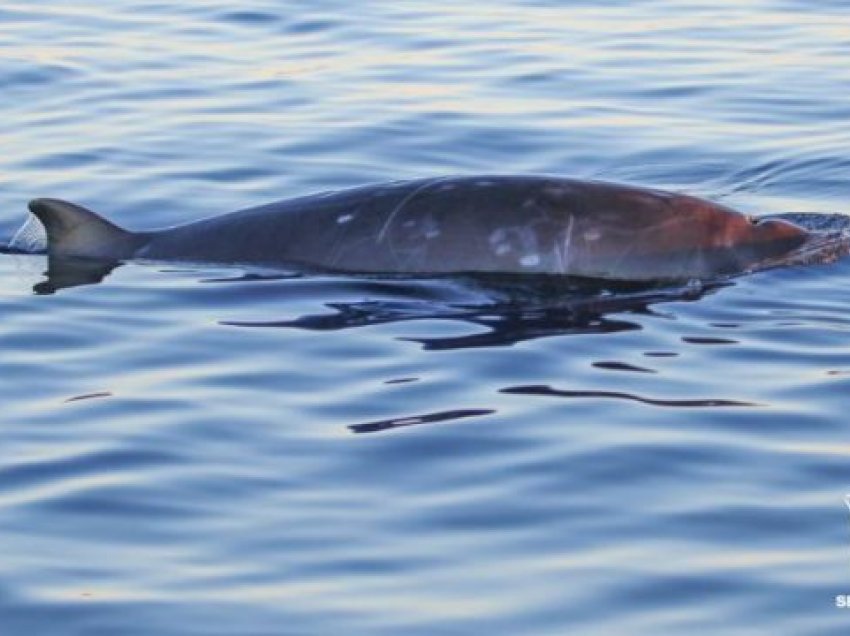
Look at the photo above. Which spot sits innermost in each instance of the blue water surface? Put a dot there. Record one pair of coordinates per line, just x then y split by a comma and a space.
210, 451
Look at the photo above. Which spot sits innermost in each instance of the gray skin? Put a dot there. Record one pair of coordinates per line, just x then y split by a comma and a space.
488, 224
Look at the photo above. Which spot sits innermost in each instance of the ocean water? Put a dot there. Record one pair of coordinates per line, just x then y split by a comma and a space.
191, 450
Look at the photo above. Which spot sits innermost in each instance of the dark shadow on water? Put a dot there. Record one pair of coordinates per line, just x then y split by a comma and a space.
499, 311
508, 311
540, 391
621, 366
64, 273
702, 340
249, 277
89, 396
543, 390
429, 418
8, 249
504, 309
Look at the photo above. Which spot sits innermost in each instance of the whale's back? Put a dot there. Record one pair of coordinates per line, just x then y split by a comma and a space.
482, 224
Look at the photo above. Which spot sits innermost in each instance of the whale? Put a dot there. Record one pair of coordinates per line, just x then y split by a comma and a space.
497, 224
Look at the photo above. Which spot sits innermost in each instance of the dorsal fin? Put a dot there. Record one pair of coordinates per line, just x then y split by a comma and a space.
72, 230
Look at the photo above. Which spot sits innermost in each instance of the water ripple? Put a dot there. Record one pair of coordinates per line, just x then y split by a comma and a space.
549, 391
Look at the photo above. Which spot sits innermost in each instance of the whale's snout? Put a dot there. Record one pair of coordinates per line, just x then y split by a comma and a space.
780, 235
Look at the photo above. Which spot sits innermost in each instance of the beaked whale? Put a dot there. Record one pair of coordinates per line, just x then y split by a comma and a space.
480, 224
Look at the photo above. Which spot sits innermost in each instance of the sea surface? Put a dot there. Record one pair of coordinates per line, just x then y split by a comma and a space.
202, 451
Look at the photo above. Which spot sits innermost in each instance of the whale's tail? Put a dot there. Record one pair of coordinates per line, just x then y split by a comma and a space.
72, 230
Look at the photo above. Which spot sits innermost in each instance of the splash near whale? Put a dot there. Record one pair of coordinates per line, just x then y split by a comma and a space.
470, 225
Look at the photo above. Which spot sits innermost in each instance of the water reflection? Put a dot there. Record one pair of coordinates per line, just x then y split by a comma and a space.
505, 310
64, 273
510, 307
543, 390
509, 311
428, 418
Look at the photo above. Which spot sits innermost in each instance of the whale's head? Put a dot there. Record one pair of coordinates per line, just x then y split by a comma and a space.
769, 239
776, 234
724, 240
